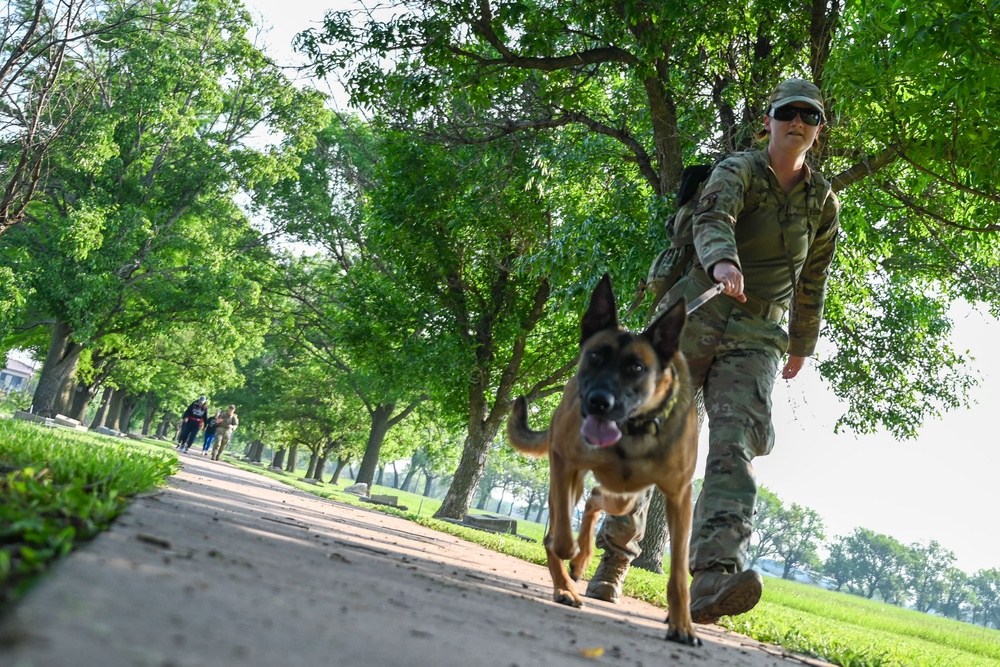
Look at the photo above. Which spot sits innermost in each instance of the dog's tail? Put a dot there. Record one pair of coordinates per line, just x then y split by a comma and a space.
521, 436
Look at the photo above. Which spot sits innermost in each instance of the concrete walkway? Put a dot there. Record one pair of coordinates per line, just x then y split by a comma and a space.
224, 567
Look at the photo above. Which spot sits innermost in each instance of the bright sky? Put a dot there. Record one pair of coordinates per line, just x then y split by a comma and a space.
939, 486
284, 19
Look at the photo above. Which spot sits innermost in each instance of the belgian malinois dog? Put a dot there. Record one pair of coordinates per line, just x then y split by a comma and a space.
628, 416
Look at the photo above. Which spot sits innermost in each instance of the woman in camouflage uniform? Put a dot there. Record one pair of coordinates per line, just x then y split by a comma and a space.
224, 427
771, 259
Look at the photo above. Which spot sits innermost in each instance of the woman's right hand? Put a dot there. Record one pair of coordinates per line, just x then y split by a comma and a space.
731, 277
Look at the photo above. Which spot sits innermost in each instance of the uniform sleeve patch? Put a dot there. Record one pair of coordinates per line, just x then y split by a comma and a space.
706, 203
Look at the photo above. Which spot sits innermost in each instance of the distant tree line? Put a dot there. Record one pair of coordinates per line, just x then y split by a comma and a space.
873, 565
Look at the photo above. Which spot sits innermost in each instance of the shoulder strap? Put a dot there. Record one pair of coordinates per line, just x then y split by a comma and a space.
756, 195
819, 193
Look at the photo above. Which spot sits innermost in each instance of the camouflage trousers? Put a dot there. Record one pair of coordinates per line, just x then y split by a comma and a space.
734, 357
222, 437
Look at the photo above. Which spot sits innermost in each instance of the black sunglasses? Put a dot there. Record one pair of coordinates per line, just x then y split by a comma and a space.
810, 117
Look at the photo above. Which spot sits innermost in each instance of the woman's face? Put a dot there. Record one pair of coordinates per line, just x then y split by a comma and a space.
794, 136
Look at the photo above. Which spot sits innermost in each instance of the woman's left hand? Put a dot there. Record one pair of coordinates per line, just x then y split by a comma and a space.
792, 367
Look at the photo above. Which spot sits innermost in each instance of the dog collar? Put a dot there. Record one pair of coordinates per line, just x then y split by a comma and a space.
649, 424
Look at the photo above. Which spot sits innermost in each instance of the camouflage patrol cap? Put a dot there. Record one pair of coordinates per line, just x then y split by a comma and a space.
796, 90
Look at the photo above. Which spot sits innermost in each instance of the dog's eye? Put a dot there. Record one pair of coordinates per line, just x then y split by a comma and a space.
636, 368
595, 357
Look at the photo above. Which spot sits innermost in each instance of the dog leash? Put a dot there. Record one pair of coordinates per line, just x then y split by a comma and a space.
705, 296
699, 301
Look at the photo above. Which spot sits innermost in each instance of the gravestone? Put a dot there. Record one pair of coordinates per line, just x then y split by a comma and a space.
494, 522
27, 416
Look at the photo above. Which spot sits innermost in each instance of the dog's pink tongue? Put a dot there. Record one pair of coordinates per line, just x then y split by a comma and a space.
600, 432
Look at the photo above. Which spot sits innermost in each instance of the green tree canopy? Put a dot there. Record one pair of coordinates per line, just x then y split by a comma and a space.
143, 230
653, 86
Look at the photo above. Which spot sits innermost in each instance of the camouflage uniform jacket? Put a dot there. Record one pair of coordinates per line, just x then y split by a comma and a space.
228, 422
759, 241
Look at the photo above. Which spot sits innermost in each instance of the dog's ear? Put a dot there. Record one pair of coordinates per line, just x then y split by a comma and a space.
664, 334
602, 313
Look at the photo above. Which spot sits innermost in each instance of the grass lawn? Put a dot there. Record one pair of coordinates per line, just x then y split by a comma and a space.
59, 488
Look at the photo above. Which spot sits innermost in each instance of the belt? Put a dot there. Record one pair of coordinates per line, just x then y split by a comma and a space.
770, 311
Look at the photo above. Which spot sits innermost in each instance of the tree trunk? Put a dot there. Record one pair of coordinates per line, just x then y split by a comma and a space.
541, 509
129, 406
55, 380
410, 472
654, 542
321, 465
151, 405
257, 455
293, 455
531, 503
381, 474
83, 394
470, 470
376, 436
164, 428
484, 495
278, 459
503, 492
311, 469
341, 464
115, 408
102, 410
428, 486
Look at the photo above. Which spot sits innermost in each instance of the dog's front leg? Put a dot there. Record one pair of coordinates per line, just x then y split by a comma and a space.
600, 500
679, 625
565, 486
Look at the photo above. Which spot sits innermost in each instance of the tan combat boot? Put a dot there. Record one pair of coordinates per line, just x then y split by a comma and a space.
608, 578
717, 594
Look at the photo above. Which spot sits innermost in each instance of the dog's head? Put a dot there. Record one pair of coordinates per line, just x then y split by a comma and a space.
622, 374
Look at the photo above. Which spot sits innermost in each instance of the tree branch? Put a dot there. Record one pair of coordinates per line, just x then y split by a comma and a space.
865, 168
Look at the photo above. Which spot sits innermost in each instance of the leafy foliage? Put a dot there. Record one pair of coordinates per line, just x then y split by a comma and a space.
137, 240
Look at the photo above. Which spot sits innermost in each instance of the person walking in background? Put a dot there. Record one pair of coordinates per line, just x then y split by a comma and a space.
192, 421
224, 428
211, 424
771, 256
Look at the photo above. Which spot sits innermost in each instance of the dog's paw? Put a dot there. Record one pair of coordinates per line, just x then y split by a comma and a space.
683, 637
567, 598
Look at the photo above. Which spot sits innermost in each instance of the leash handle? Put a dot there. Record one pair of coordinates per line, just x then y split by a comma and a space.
704, 297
